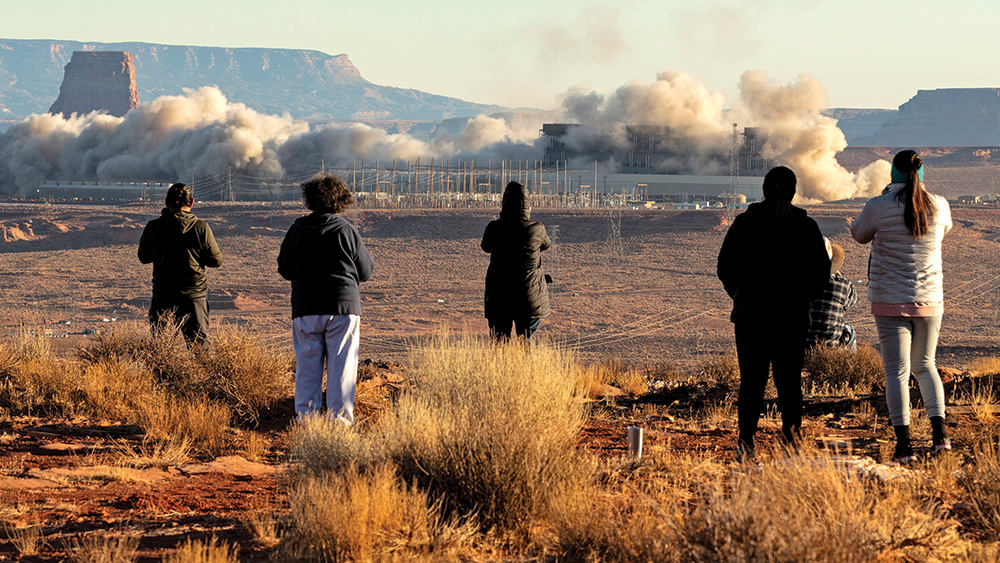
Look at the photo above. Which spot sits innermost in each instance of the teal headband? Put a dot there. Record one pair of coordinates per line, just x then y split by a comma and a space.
900, 178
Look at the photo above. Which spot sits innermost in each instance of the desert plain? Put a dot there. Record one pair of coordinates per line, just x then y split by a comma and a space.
648, 301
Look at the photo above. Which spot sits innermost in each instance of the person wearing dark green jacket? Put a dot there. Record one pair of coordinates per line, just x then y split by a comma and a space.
516, 287
180, 246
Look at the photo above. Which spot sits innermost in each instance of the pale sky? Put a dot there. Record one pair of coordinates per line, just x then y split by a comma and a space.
867, 53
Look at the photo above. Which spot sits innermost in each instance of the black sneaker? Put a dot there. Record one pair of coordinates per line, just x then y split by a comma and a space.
904, 456
942, 445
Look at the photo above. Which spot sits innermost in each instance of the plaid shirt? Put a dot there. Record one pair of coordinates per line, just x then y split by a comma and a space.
826, 314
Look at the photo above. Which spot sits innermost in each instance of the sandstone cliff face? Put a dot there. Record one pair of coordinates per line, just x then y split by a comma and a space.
943, 117
305, 84
98, 80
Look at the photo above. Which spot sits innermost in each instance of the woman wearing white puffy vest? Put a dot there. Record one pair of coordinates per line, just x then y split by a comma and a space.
905, 226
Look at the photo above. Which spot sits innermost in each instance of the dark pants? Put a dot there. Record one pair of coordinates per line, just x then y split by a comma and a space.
500, 327
191, 316
781, 347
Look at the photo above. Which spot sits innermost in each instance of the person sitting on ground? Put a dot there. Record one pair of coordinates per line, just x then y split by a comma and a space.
826, 314
516, 287
180, 246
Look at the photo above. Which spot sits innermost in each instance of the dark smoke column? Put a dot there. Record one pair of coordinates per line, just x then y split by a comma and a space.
98, 80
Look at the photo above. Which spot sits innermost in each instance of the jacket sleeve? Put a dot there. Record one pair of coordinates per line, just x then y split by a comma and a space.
210, 256
817, 261
945, 211
286, 256
546, 241
863, 228
363, 261
852, 296
728, 267
147, 246
487, 244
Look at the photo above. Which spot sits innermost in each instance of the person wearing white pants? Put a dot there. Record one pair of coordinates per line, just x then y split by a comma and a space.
326, 260
333, 338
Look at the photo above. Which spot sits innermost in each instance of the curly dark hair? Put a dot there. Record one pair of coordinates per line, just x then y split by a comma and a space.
178, 196
326, 192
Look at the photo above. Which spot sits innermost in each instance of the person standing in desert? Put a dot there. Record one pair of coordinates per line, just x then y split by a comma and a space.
772, 263
180, 246
517, 293
324, 257
905, 226
826, 314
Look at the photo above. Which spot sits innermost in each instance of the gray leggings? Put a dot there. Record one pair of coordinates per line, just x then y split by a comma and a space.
908, 344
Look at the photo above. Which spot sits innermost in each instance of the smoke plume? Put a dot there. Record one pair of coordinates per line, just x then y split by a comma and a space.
802, 138
201, 133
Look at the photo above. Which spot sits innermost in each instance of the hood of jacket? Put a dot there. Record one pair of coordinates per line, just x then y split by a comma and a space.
321, 221
185, 219
769, 211
516, 203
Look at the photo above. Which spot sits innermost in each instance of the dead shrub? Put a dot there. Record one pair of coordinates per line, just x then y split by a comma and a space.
808, 509
117, 390
356, 515
42, 385
245, 375
840, 369
490, 430
720, 369
163, 353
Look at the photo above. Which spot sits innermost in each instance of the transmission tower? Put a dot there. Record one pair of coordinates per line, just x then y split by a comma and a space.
734, 177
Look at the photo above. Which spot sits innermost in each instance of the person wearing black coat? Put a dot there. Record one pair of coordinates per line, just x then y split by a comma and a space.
326, 260
180, 246
773, 263
516, 287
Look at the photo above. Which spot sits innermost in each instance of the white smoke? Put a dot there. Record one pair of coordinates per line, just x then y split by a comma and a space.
802, 138
695, 129
201, 133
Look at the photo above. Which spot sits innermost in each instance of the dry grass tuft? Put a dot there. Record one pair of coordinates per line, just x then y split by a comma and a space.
982, 479
203, 551
985, 366
26, 540
355, 515
245, 375
983, 401
806, 509
104, 548
489, 430
838, 368
201, 421
720, 369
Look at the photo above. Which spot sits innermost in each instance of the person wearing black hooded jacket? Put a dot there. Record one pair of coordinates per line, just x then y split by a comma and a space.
180, 246
516, 287
326, 260
773, 263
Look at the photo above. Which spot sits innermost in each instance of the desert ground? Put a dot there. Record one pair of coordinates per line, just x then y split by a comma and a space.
650, 301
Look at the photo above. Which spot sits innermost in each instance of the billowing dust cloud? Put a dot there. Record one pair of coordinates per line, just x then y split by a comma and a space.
201, 133
696, 130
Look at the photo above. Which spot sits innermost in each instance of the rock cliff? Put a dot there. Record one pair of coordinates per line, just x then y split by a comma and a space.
942, 117
306, 84
98, 81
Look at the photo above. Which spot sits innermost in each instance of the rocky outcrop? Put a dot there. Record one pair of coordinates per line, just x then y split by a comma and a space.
942, 117
98, 81
306, 84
